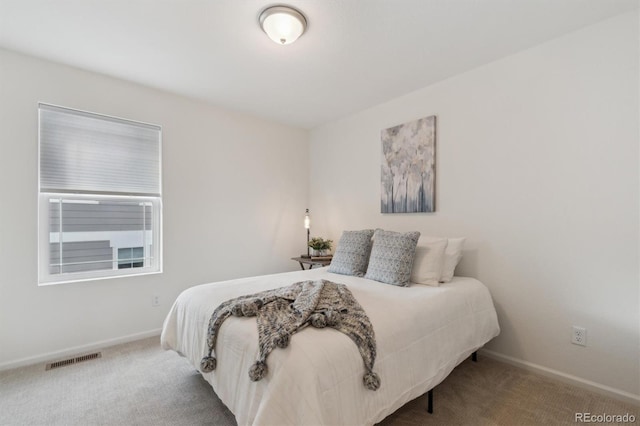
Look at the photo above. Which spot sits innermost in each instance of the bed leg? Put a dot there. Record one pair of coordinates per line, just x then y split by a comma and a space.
430, 401
474, 356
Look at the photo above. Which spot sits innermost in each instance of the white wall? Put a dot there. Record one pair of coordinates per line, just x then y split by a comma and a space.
235, 190
537, 164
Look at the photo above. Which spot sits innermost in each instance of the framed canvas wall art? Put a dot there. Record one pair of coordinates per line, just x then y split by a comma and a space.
408, 167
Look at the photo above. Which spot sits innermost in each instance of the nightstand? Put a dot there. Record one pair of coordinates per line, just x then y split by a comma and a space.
311, 261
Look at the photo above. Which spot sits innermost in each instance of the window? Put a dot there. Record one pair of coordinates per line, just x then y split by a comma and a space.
100, 202
130, 257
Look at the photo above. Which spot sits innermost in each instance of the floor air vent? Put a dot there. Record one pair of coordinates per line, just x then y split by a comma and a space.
69, 361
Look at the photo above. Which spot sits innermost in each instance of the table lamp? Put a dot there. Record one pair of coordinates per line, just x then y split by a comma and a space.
307, 225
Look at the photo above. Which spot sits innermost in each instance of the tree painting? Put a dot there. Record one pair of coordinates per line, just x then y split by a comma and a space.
408, 167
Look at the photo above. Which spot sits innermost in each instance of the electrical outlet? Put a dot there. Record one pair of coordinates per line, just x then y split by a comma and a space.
579, 336
155, 300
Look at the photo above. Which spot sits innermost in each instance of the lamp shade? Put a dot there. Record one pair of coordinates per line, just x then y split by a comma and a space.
307, 220
283, 24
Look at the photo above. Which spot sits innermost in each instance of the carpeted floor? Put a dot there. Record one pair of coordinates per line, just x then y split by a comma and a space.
140, 384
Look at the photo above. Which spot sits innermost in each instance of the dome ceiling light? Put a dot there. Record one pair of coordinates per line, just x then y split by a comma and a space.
283, 24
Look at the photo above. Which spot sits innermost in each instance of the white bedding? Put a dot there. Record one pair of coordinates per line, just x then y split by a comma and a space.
422, 333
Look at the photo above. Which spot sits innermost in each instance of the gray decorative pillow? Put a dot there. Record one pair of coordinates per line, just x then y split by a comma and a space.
392, 257
352, 254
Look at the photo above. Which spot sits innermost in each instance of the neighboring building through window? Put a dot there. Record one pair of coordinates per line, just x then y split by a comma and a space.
100, 205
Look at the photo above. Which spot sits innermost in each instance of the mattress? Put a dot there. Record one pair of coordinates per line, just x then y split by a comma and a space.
422, 333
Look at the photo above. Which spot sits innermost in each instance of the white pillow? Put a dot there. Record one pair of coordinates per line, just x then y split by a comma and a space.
452, 256
429, 261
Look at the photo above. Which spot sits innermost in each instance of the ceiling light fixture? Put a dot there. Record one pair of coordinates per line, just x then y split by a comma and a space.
283, 24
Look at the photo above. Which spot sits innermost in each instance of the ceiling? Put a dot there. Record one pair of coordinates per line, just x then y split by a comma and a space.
354, 55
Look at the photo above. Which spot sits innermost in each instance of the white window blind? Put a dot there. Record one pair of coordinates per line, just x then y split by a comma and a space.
100, 196
81, 152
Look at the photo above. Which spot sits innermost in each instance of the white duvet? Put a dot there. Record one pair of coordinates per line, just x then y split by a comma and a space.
422, 333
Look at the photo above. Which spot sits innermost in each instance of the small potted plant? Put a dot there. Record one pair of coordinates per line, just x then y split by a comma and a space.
320, 246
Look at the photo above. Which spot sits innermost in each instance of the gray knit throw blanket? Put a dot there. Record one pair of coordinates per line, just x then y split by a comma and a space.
284, 311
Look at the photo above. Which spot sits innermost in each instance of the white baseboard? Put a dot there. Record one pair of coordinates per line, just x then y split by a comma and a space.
548, 372
50, 356
566, 378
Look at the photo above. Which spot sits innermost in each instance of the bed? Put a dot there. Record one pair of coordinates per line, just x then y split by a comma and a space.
422, 334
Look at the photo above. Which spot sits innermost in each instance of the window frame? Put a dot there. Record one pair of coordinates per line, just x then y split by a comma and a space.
44, 254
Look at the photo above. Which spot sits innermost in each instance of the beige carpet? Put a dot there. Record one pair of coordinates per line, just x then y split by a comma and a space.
140, 384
